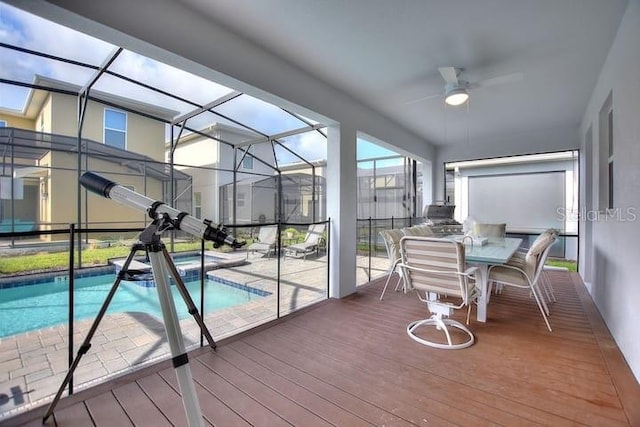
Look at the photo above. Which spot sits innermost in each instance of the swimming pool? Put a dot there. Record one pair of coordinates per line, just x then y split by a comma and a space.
27, 308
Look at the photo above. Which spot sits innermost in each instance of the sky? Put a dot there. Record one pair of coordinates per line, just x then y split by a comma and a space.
22, 29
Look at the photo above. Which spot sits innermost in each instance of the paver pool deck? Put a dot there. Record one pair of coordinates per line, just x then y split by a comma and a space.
33, 364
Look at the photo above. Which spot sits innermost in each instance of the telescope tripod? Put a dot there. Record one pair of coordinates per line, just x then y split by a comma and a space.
162, 267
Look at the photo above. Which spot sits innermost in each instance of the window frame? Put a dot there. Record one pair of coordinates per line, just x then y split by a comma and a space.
197, 204
105, 128
247, 162
610, 161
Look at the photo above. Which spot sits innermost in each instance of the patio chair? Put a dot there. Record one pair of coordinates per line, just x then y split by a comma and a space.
417, 230
310, 244
435, 268
525, 272
391, 239
266, 240
545, 283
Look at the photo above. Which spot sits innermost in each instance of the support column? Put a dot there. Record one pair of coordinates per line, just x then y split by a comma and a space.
341, 208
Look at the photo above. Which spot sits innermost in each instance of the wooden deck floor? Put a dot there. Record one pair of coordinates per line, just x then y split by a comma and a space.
350, 363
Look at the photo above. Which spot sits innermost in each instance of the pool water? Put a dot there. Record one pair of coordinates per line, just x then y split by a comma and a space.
27, 308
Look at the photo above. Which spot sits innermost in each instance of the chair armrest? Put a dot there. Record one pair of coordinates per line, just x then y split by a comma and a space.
470, 271
524, 273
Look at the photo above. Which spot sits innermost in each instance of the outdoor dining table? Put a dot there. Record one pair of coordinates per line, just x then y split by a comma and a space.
495, 251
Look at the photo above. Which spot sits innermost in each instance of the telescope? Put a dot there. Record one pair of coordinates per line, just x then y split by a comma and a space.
164, 218
201, 228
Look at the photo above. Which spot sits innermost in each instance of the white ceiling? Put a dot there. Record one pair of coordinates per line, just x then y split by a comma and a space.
385, 53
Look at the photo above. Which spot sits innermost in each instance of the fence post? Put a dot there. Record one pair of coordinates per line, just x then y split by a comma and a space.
278, 250
369, 270
72, 236
201, 288
328, 254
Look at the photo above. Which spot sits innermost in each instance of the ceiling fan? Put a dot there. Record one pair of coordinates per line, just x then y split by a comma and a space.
456, 90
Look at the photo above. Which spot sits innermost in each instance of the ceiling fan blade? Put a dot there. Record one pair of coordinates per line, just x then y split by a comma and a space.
507, 78
423, 98
450, 74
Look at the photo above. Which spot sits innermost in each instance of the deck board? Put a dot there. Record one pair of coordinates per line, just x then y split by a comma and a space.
165, 398
301, 395
350, 362
73, 415
106, 411
138, 406
321, 387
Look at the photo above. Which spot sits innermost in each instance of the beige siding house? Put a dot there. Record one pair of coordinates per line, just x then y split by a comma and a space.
124, 146
211, 164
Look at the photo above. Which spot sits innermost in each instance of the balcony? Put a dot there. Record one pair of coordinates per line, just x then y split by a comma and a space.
350, 362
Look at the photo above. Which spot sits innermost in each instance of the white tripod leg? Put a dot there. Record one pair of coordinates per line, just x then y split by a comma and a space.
176, 343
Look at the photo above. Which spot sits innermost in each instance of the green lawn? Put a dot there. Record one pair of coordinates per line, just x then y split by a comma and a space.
60, 260
569, 265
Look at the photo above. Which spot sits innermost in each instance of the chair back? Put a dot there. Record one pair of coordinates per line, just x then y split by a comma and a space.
542, 257
268, 234
536, 256
314, 233
391, 240
434, 265
417, 230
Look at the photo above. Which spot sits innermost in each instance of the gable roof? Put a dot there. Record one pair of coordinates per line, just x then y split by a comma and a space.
38, 94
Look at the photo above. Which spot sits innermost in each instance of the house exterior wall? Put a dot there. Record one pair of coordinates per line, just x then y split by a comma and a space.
612, 277
56, 204
144, 135
210, 163
533, 142
17, 122
58, 207
61, 117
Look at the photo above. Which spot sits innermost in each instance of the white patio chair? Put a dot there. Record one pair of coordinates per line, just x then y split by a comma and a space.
266, 241
310, 244
525, 272
435, 267
545, 284
391, 240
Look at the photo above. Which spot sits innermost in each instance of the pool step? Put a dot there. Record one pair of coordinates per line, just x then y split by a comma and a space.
135, 265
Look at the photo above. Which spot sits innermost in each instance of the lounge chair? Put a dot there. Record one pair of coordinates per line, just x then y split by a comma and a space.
266, 242
310, 244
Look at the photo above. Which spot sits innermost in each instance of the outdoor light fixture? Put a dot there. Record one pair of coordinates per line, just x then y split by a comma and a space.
456, 95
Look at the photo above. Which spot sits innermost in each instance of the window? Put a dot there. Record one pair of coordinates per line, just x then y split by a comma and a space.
197, 204
606, 171
3, 124
610, 159
115, 128
247, 162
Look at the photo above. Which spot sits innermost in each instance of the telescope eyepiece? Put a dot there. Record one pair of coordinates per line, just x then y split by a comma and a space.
219, 237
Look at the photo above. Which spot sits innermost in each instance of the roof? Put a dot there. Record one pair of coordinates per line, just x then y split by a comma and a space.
35, 98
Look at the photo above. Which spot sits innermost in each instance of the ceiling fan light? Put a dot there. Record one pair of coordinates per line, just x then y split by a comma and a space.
456, 96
